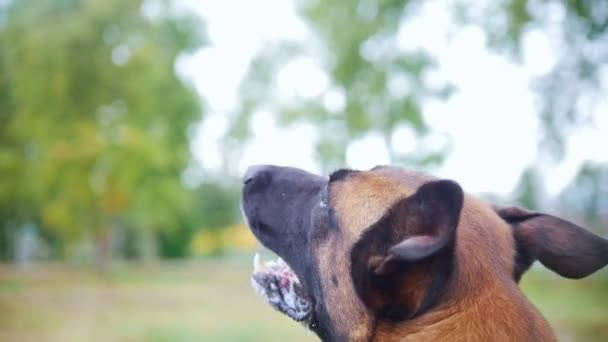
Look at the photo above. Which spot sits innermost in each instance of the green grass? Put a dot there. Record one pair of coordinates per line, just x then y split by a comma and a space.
189, 301
211, 300
576, 309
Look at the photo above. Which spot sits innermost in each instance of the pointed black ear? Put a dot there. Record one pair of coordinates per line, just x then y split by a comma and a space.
424, 223
562, 246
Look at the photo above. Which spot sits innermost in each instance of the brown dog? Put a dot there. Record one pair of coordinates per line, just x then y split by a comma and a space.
393, 255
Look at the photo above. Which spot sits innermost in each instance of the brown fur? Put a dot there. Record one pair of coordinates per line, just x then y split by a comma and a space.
394, 255
482, 278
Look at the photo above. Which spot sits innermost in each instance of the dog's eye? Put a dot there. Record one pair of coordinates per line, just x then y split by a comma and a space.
323, 199
312, 324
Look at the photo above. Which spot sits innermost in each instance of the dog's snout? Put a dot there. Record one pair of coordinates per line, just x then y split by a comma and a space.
255, 172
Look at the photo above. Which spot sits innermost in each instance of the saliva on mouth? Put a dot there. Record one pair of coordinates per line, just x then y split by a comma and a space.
279, 286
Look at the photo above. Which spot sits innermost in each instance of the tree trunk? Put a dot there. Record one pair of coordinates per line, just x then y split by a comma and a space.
103, 250
148, 248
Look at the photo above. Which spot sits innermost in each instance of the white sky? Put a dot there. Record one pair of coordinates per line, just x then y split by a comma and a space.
490, 121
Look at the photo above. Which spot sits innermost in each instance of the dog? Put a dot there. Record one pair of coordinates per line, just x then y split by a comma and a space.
394, 255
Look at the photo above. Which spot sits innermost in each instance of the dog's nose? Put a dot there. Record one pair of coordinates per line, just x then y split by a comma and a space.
253, 172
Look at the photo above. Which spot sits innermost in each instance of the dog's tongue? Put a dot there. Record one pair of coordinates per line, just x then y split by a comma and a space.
280, 287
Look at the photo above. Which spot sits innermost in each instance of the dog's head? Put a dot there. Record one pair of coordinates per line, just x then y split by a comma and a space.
388, 245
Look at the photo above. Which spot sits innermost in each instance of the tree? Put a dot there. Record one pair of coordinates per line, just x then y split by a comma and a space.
217, 208
376, 88
570, 92
383, 87
94, 120
572, 88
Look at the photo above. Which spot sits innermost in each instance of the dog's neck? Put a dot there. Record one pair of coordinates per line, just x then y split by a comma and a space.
495, 312
482, 302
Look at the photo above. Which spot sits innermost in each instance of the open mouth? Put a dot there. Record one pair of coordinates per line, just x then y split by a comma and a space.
279, 286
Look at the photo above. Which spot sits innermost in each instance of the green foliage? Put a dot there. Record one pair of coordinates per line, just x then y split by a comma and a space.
575, 80
527, 191
216, 208
356, 41
581, 39
357, 45
382, 86
587, 197
93, 117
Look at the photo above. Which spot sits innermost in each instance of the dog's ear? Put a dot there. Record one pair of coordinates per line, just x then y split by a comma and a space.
392, 263
562, 246
422, 224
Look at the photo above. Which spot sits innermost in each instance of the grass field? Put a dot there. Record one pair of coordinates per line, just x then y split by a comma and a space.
211, 300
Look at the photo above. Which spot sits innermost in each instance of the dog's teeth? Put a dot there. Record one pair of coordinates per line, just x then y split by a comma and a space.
258, 265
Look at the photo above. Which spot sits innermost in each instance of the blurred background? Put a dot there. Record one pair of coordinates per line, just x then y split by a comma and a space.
125, 125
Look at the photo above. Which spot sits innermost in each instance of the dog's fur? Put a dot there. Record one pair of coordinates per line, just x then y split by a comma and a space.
394, 255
